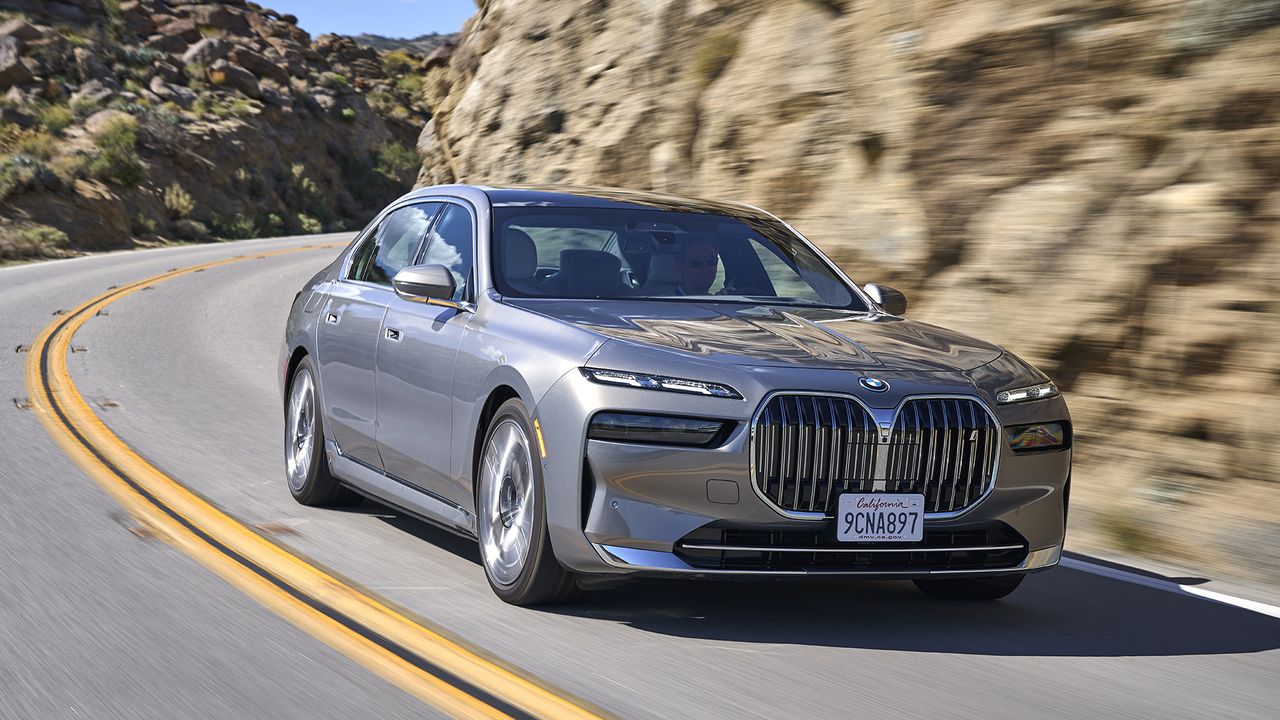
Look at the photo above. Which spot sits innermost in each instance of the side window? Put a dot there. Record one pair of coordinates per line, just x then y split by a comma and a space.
393, 244
451, 245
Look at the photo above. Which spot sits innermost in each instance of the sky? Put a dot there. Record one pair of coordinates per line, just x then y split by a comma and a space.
393, 18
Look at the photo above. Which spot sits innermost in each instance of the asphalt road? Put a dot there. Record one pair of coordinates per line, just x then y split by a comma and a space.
98, 620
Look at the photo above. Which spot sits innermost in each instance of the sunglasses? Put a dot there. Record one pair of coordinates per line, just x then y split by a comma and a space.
696, 263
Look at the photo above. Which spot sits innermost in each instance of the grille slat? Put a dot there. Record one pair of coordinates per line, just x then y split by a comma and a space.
810, 448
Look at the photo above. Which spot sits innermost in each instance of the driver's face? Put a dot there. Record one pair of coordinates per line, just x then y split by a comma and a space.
698, 266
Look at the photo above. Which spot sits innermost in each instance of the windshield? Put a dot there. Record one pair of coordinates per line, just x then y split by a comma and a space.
558, 252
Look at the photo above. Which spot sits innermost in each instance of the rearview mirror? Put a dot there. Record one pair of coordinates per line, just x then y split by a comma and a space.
424, 282
889, 299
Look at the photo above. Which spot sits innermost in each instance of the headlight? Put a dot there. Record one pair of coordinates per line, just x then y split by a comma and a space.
656, 429
1023, 394
659, 382
1040, 436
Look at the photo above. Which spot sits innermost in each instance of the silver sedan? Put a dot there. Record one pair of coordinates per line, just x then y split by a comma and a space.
597, 384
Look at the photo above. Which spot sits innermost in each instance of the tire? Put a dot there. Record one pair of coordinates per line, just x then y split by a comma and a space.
306, 467
511, 512
990, 588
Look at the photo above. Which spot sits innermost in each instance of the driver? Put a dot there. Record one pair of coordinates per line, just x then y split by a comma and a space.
698, 265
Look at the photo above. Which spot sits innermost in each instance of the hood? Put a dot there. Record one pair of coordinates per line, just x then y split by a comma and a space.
773, 336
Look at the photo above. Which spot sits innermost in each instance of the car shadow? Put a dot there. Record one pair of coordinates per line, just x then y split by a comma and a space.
1057, 613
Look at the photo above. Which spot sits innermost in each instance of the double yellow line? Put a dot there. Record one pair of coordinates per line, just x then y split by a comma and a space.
441, 671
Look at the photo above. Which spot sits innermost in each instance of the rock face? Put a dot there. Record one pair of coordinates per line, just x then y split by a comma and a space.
151, 120
1093, 185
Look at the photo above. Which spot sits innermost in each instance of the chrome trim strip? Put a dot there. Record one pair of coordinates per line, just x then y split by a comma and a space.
889, 416
728, 548
385, 488
636, 560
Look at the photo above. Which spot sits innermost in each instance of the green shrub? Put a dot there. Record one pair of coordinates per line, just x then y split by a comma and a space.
70, 168
396, 160
178, 201
39, 145
309, 225
33, 242
139, 56
118, 161
84, 107
274, 225
348, 115
143, 225
55, 118
398, 62
409, 84
22, 173
241, 107
238, 228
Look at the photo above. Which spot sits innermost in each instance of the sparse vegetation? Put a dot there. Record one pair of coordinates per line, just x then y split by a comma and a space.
713, 56
118, 160
396, 160
1129, 532
35, 241
55, 118
39, 145
398, 62
238, 228
177, 201
309, 225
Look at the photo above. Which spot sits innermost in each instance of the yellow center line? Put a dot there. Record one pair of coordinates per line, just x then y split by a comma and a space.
440, 670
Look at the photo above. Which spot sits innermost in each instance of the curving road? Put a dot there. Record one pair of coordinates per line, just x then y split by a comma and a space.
99, 618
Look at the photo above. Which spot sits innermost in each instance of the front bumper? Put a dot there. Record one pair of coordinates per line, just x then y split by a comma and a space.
619, 508
658, 563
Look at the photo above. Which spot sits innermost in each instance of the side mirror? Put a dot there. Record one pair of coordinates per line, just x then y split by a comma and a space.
890, 300
424, 282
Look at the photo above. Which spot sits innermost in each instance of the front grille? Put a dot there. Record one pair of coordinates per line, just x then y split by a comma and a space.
807, 449
992, 546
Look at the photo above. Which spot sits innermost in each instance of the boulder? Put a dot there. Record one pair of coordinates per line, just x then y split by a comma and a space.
206, 50
227, 74
221, 17
259, 65
137, 20
168, 71
168, 92
12, 70
21, 29
103, 119
89, 66
94, 92
172, 44
185, 28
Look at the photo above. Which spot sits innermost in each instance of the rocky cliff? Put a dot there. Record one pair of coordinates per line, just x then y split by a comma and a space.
1093, 184
152, 120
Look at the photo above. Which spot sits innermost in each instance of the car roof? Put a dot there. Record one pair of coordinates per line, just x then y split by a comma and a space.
596, 197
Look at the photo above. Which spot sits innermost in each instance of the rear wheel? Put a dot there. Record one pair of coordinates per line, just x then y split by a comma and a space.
511, 515
306, 466
990, 588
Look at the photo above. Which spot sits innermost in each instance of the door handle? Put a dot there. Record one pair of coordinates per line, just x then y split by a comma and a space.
331, 318
393, 334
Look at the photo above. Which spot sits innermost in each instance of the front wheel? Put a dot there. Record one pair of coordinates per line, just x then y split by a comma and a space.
989, 588
511, 515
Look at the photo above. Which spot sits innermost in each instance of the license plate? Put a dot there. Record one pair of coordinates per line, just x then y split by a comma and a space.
880, 517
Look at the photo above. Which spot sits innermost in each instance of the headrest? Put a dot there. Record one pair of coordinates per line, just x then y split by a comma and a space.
590, 273
519, 255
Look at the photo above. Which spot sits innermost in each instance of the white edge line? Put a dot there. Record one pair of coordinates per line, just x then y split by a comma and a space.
1169, 586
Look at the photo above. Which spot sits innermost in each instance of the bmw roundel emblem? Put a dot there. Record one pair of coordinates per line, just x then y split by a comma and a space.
873, 384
